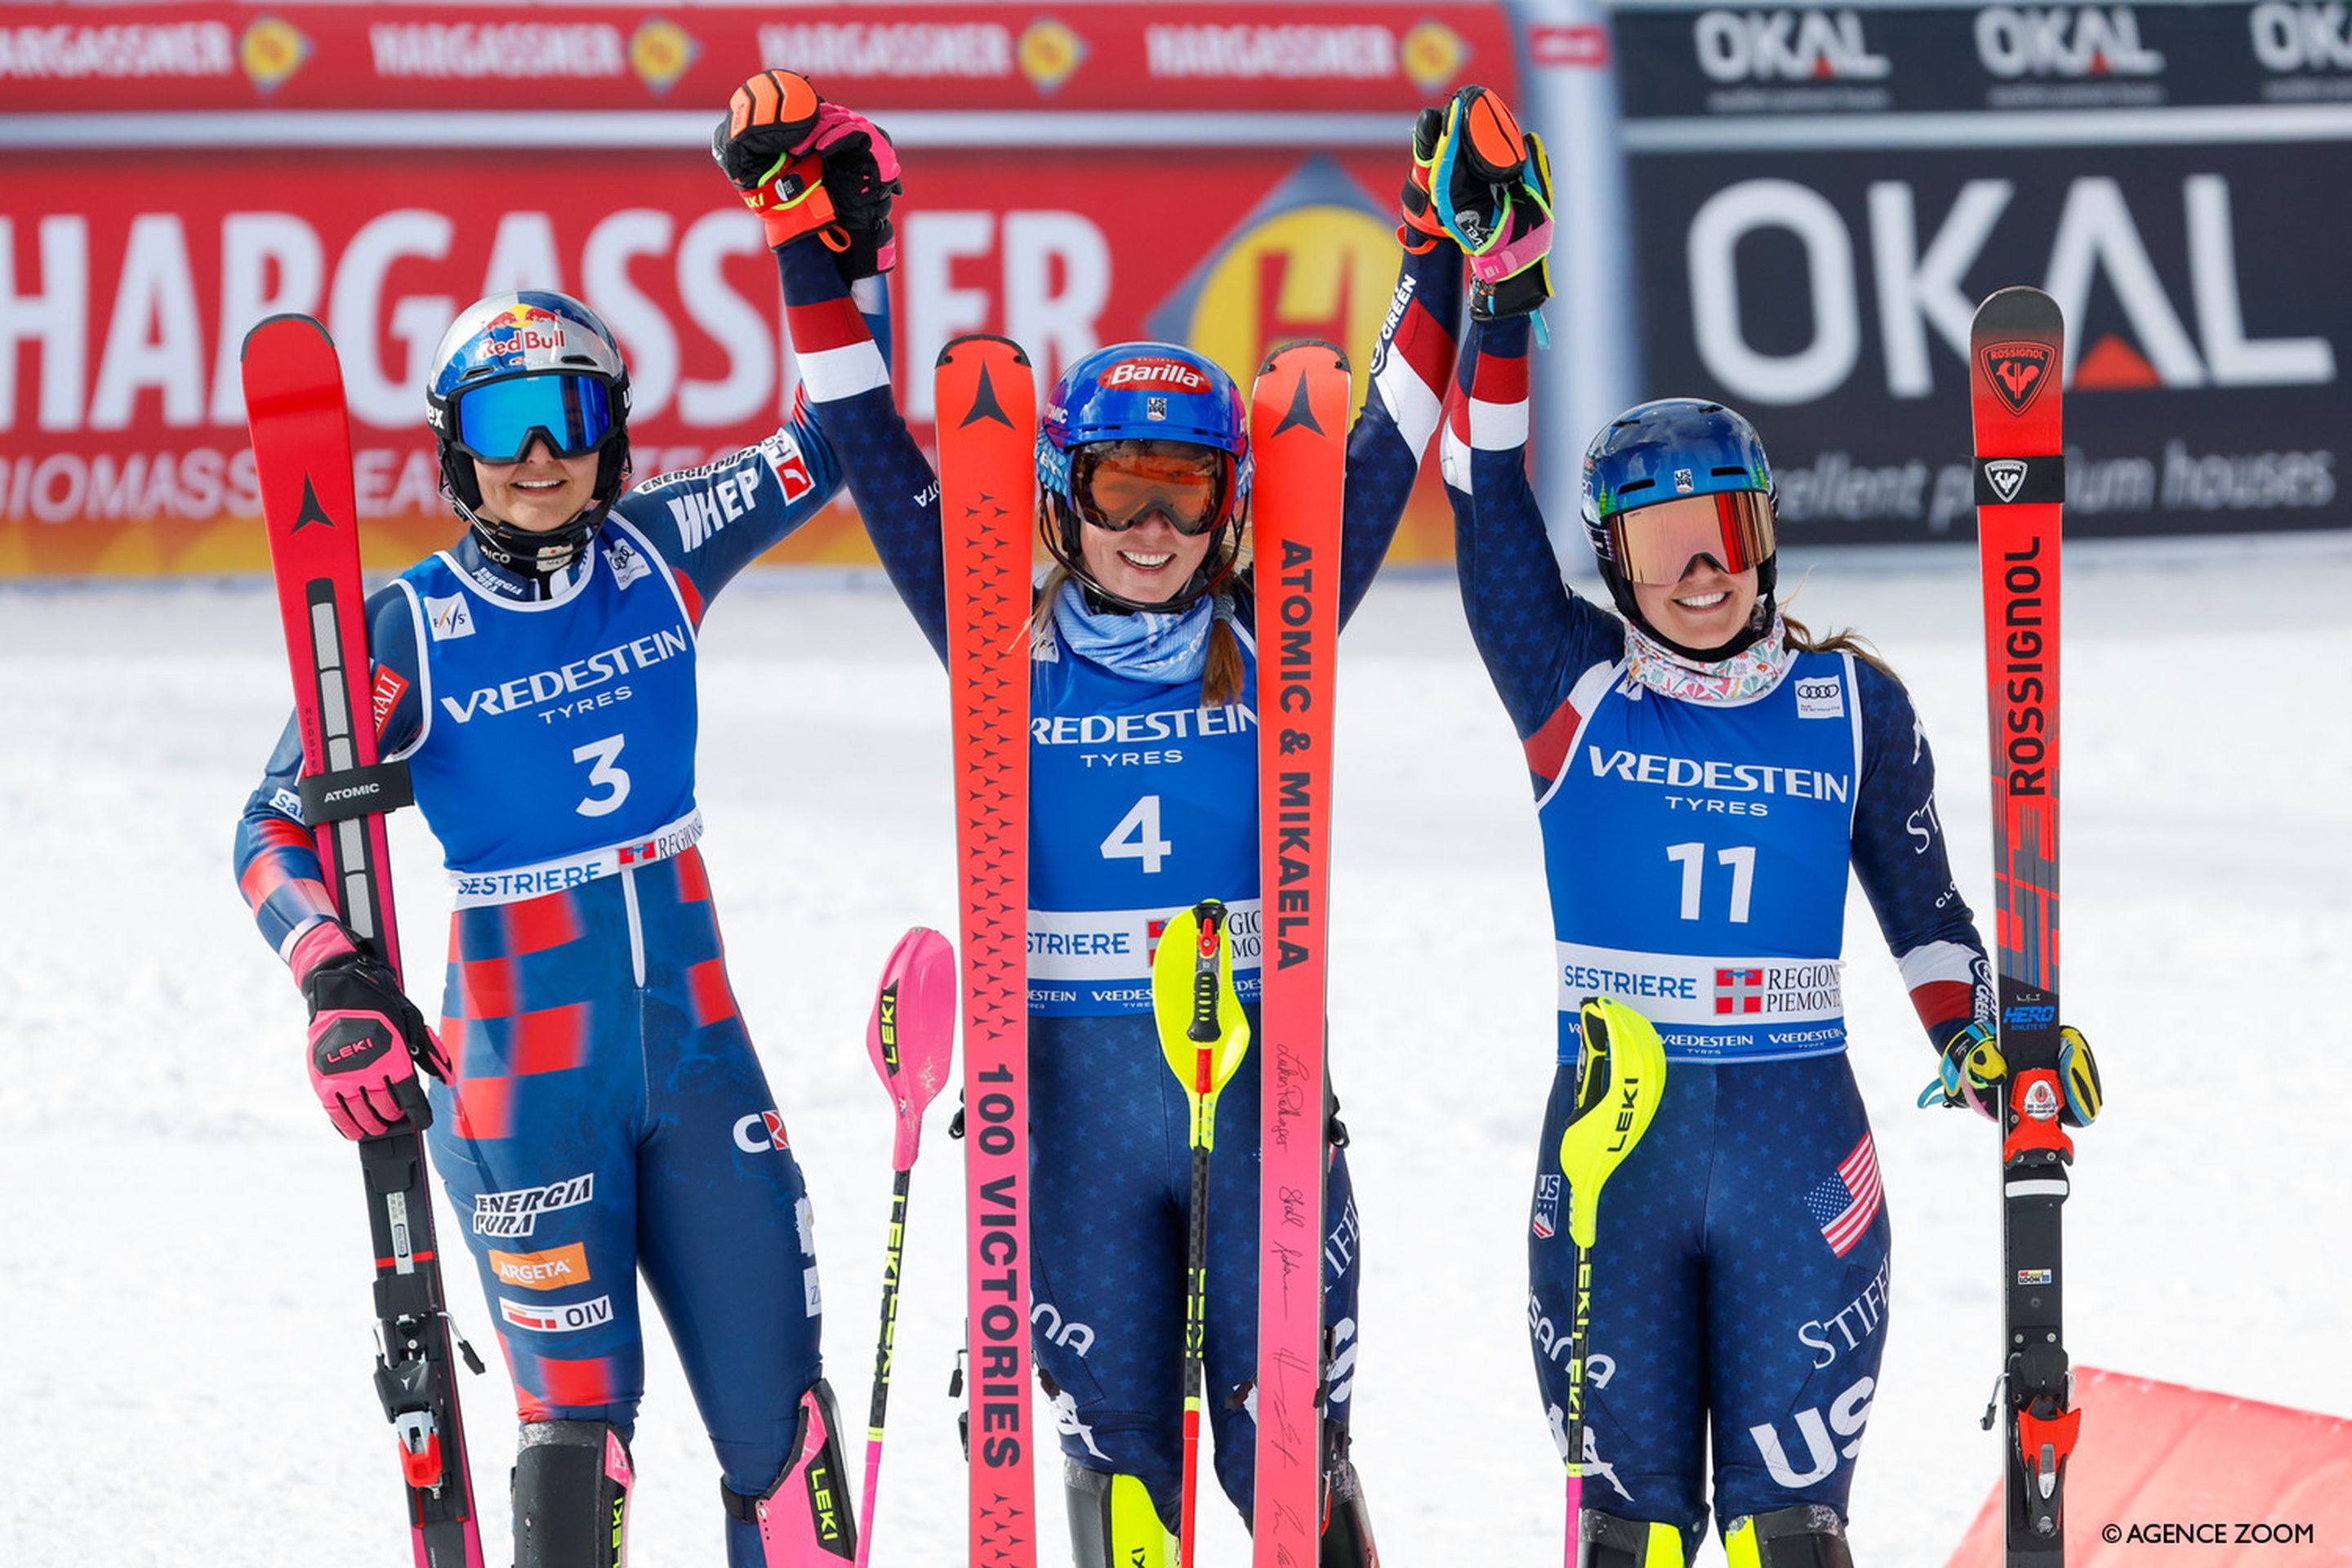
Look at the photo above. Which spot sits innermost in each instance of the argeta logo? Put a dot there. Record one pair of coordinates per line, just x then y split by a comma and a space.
2007, 475
1156, 372
2016, 372
761, 1131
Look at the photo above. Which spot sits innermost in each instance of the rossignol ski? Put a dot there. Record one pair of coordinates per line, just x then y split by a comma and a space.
2017, 357
303, 458
987, 406
1298, 429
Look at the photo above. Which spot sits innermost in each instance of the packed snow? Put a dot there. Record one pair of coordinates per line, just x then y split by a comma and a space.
185, 1277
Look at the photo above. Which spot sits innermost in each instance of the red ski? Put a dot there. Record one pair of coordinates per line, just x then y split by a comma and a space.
2017, 354
1298, 430
988, 436
302, 456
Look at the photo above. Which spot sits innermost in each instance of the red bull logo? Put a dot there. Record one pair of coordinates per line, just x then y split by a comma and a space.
1172, 374
525, 328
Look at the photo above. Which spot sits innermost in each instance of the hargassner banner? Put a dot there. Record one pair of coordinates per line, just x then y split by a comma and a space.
1821, 195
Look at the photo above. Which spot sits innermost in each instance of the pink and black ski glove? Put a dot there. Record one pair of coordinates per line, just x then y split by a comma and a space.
367, 1039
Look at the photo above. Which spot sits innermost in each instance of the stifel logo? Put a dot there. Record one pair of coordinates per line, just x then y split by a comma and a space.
2016, 372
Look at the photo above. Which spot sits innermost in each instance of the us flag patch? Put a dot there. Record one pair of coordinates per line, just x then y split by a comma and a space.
1844, 1205
1546, 1220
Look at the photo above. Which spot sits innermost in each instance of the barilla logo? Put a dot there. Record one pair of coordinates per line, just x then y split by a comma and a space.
1168, 373
2027, 1018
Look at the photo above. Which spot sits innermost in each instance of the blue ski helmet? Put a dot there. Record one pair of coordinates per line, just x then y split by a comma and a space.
1143, 392
512, 368
1659, 451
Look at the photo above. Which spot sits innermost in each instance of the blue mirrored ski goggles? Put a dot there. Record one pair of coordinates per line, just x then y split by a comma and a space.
498, 421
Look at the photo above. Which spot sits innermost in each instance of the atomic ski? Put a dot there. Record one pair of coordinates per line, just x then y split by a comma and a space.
303, 458
987, 406
2017, 357
1299, 431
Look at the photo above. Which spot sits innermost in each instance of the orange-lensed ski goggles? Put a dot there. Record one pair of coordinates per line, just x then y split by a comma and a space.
1657, 543
1118, 484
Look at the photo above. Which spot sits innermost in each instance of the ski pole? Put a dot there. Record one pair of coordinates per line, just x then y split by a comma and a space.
1203, 1035
911, 1037
1621, 1078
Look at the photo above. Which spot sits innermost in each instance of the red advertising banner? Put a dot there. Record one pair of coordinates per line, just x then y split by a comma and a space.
124, 295
130, 269
615, 59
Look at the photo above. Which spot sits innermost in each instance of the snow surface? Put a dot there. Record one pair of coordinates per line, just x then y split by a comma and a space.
183, 1279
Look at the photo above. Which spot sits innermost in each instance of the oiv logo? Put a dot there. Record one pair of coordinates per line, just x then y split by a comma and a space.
2301, 37
2065, 40
1785, 46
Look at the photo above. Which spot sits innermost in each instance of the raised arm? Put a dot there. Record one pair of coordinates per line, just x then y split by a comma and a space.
1404, 398
1540, 642
712, 521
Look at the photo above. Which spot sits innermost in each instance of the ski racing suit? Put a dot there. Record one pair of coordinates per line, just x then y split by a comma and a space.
608, 1116
1111, 1160
1696, 855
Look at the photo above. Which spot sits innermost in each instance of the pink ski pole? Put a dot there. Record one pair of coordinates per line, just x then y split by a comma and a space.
911, 1037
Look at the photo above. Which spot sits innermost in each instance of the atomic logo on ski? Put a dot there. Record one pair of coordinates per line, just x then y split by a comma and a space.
2016, 372
984, 404
311, 511
1302, 413
2007, 475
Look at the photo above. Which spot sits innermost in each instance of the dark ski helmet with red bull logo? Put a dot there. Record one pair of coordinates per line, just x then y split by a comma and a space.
1673, 452
516, 369
1144, 393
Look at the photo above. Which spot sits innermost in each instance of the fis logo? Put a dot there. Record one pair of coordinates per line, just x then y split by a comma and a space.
448, 618
1785, 46
2063, 41
1156, 372
1547, 1221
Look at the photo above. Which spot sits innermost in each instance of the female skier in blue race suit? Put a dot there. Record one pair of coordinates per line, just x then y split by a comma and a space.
599, 1112
1705, 771
1143, 800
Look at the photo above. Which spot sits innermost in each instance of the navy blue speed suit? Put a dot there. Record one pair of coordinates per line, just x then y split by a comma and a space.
608, 1117
1108, 1123
1697, 853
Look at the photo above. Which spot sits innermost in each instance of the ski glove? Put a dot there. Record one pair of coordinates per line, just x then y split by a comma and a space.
807, 166
1488, 185
367, 1039
1973, 1074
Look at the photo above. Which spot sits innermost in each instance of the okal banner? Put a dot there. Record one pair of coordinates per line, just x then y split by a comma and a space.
1227, 181
1821, 197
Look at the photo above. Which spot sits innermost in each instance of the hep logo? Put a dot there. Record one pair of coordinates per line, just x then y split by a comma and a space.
761, 1131
2016, 372
1168, 373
